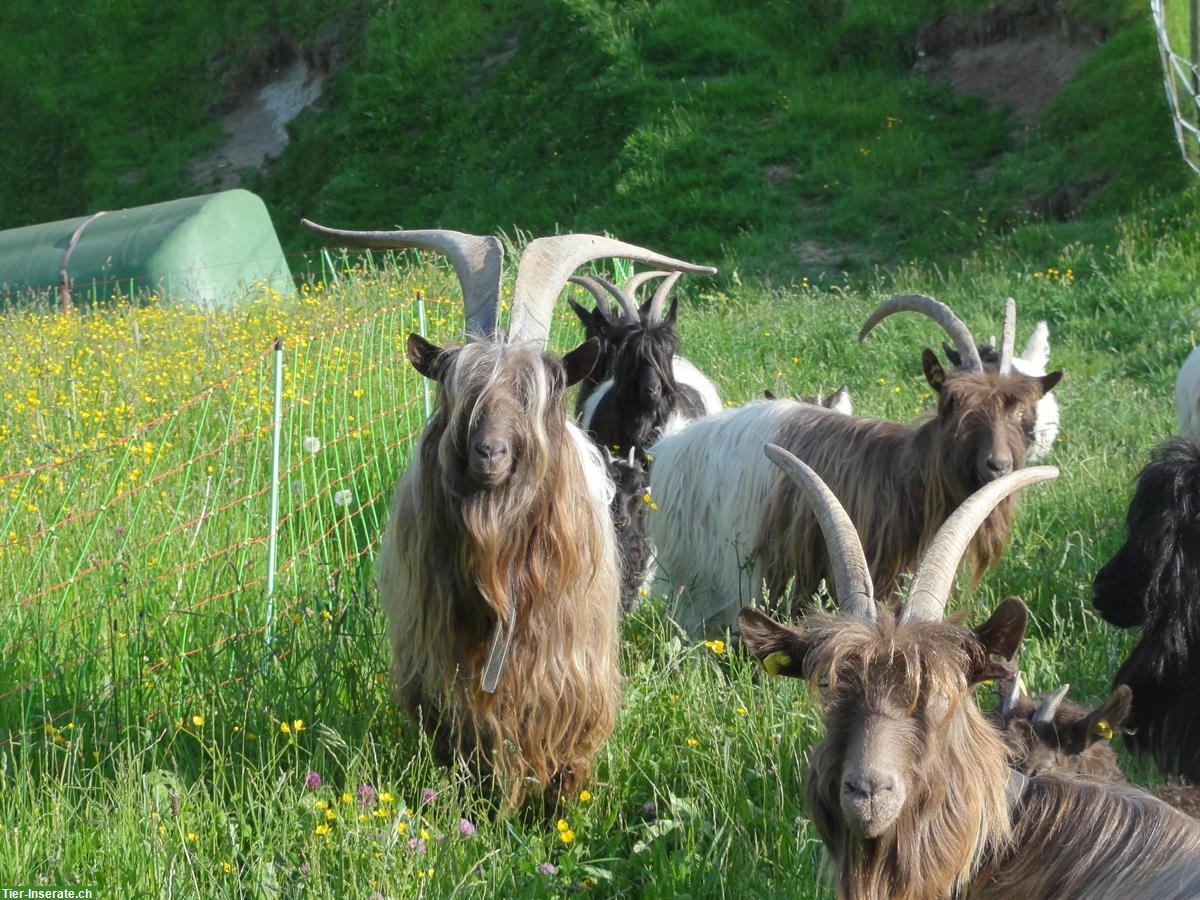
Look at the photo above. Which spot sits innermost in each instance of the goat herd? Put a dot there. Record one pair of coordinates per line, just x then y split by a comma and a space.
516, 539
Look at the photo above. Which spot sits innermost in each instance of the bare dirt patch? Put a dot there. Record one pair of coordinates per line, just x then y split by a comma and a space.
255, 129
1015, 55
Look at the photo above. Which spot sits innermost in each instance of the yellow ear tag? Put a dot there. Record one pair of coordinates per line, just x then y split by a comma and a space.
1102, 729
776, 661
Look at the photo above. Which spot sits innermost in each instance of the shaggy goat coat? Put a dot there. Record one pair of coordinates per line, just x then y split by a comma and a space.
1154, 581
632, 427
455, 560
729, 522
957, 835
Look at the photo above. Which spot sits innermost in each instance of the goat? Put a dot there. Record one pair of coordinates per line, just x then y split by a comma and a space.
1187, 397
498, 569
1152, 582
1053, 735
599, 323
629, 504
839, 401
650, 390
725, 512
1042, 429
910, 789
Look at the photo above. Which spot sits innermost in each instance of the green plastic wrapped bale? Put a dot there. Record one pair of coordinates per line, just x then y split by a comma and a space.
208, 251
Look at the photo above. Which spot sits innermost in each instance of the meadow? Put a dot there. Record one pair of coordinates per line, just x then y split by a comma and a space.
167, 726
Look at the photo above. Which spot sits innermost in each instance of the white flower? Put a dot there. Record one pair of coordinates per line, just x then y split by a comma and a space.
311, 444
343, 498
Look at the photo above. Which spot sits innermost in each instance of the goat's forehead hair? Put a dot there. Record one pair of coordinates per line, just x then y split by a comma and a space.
986, 389
480, 370
924, 656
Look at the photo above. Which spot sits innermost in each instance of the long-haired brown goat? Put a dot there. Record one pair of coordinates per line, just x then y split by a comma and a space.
498, 570
911, 789
725, 513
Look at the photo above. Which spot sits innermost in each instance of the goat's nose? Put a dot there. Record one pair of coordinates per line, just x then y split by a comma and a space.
999, 465
870, 785
491, 450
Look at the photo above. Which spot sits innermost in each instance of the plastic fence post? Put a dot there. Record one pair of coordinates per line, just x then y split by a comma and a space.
424, 381
273, 540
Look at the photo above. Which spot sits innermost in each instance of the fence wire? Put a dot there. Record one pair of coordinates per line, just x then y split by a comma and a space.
133, 575
1178, 29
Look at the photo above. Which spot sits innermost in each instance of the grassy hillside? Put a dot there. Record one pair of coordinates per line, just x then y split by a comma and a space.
781, 139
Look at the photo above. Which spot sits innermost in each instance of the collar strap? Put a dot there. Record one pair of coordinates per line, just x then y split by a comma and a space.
498, 648
1015, 790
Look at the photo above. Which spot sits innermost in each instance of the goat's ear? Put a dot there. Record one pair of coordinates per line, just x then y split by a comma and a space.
780, 649
953, 355
1001, 635
580, 361
426, 357
767, 395
584, 315
934, 373
672, 313
1049, 380
1106, 719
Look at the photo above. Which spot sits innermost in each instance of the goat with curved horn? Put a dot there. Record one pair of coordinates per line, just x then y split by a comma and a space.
547, 262
935, 574
477, 261
940, 313
855, 590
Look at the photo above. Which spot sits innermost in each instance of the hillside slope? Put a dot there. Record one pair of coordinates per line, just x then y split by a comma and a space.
781, 139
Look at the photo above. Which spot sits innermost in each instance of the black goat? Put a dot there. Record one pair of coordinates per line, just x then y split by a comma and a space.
649, 390
1154, 581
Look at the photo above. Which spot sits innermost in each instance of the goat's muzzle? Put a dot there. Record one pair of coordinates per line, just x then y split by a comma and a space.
491, 462
871, 801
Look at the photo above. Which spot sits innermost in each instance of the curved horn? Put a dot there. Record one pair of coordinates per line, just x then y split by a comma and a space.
1049, 706
660, 297
637, 280
624, 297
546, 263
935, 574
855, 589
593, 288
940, 313
477, 261
1014, 693
1008, 336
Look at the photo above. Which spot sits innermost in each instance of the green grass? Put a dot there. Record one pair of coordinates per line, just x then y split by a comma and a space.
115, 805
138, 603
